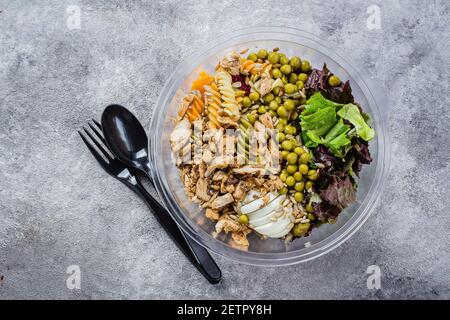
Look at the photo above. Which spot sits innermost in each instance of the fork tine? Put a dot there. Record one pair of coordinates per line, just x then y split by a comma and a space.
98, 134
93, 151
97, 124
99, 146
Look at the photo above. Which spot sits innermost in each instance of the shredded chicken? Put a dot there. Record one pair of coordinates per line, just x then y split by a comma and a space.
227, 224
212, 214
266, 86
222, 201
266, 120
231, 63
201, 190
180, 135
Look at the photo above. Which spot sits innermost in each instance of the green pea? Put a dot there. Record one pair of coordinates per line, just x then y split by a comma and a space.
297, 176
283, 59
300, 229
278, 99
283, 190
251, 118
283, 177
262, 110
262, 54
291, 168
279, 127
290, 181
292, 78
280, 137
284, 79
309, 208
243, 219
247, 102
299, 151
289, 104
287, 145
272, 113
298, 196
284, 171
273, 105
309, 185
254, 96
303, 77
290, 130
295, 62
313, 177
311, 172
334, 81
304, 158
276, 73
290, 88
284, 154
268, 97
311, 216
292, 158
300, 84
286, 69
282, 112
303, 168
252, 56
306, 66
283, 121
273, 58
299, 186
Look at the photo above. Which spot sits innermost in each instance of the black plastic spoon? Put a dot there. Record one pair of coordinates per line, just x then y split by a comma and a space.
128, 141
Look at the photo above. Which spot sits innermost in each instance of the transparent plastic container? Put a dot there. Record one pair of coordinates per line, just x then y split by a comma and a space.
271, 252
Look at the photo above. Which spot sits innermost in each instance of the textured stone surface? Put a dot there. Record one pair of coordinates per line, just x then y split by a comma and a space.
58, 208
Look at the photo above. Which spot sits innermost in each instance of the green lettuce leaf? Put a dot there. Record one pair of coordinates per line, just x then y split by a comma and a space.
318, 101
320, 121
351, 113
338, 129
336, 145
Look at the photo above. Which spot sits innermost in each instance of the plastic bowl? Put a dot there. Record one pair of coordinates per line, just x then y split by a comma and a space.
271, 252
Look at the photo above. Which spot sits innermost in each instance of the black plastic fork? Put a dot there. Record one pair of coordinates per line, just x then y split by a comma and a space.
198, 255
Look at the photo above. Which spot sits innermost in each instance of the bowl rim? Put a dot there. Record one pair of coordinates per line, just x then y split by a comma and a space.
375, 96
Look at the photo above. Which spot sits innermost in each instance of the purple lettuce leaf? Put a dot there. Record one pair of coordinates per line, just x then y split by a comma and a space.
318, 81
340, 192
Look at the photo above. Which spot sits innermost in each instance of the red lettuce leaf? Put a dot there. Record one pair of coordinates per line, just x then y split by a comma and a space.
318, 81
340, 192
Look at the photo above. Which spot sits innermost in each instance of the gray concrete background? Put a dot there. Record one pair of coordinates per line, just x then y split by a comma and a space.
58, 208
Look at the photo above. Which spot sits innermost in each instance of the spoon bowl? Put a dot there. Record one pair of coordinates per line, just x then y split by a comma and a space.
126, 137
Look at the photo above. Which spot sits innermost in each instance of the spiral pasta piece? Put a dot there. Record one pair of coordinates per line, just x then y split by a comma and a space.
195, 109
230, 107
213, 102
243, 136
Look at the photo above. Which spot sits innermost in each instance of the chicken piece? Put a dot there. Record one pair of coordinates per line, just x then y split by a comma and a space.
227, 224
231, 63
201, 190
212, 214
240, 191
247, 170
180, 135
222, 201
184, 105
218, 176
266, 120
266, 86
240, 238
218, 163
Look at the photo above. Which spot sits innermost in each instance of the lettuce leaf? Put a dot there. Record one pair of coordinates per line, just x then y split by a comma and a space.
320, 121
318, 101
350, 112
